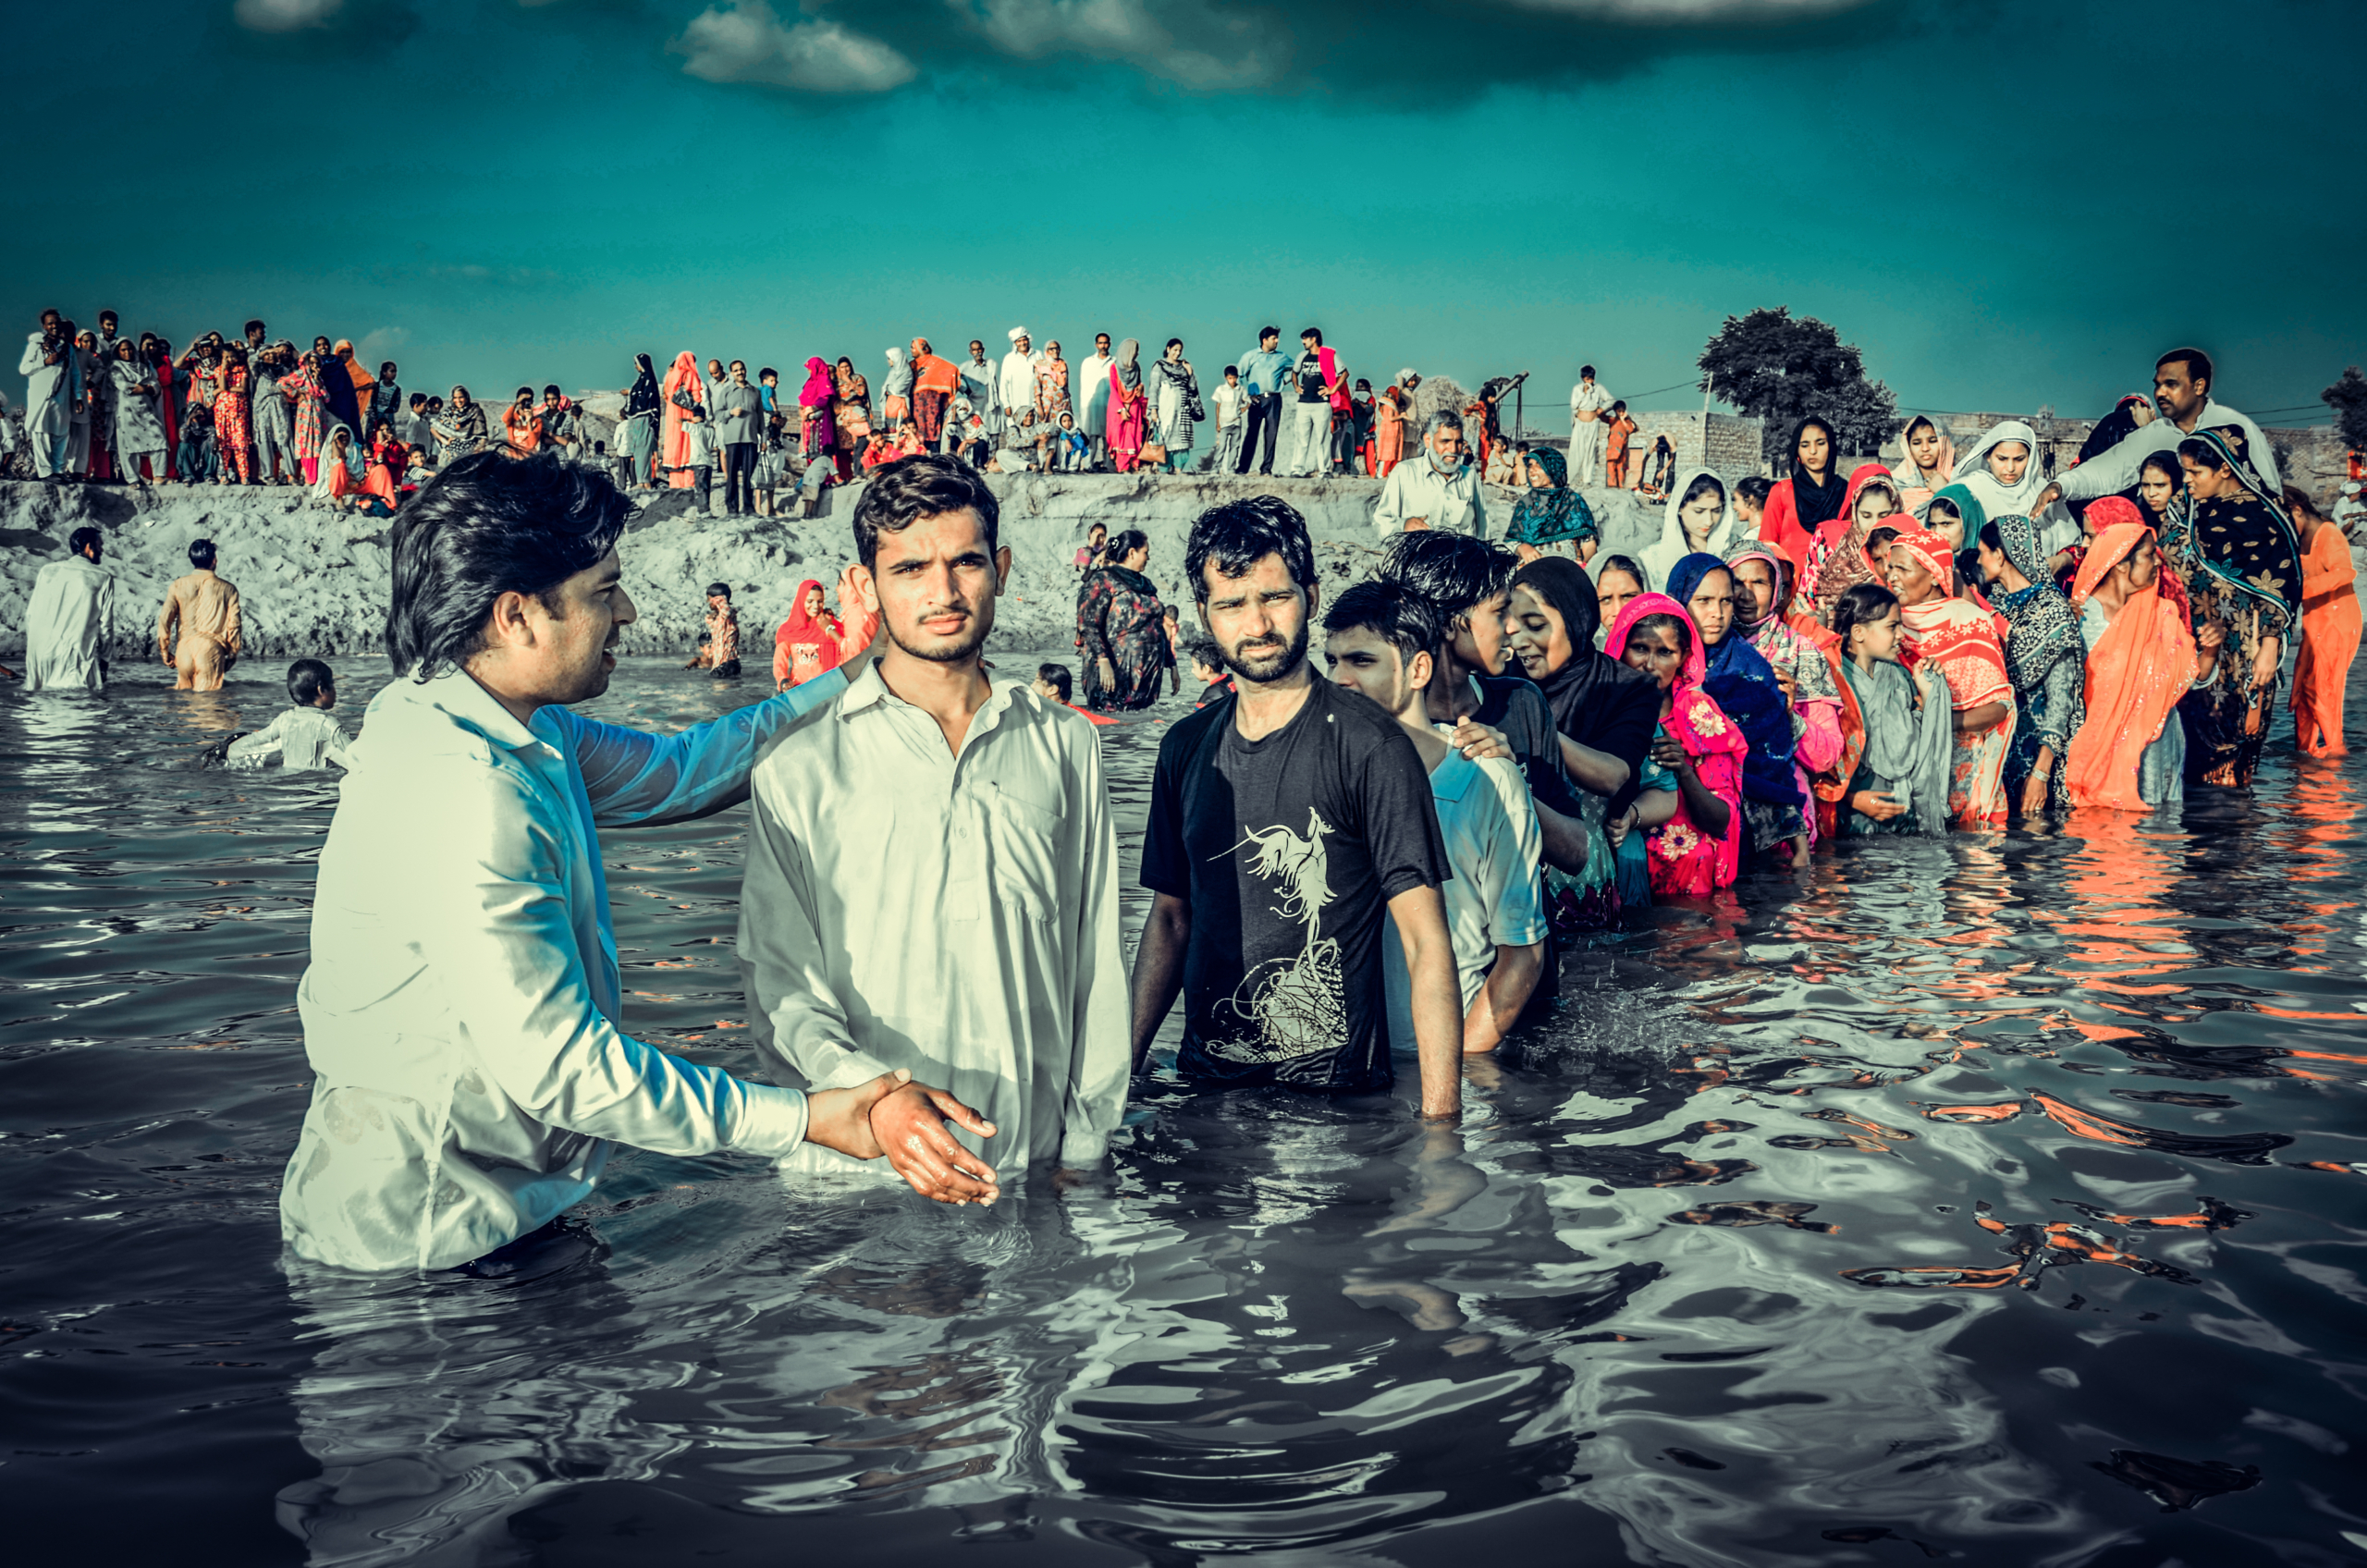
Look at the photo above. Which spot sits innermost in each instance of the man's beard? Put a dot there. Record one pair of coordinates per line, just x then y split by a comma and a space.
1267, 663
956, 652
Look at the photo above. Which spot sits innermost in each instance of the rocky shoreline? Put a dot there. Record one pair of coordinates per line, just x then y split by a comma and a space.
314, 582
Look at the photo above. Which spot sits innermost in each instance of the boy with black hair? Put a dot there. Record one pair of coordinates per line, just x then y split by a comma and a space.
1470, 582
1382, 640
1208, 668
1286, 823
303, 739
722, 631
1054, 684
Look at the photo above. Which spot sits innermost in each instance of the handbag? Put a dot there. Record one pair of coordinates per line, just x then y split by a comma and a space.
1152, 452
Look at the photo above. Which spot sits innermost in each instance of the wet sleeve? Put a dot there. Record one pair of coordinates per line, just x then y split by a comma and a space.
1100, 1025
1166, 863
1400, 822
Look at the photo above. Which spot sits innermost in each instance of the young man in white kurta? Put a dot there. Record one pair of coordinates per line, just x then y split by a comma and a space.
945, 906
68, 618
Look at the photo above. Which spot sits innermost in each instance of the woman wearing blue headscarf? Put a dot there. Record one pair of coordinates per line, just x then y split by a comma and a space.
1746, 689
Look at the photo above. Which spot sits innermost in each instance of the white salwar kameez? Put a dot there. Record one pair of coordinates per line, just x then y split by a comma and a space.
953, 915
68, 618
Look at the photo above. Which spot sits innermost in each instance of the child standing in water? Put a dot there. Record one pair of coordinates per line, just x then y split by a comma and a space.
303, 739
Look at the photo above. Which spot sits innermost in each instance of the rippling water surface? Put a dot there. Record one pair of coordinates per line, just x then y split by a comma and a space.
1997, 1201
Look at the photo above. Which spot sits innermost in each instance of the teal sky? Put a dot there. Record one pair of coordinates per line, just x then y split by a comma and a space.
2005, 205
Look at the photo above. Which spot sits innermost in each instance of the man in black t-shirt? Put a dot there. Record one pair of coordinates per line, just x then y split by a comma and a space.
1285, 820
1315, 378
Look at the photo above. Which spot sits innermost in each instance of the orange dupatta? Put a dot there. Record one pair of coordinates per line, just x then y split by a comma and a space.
2136, 672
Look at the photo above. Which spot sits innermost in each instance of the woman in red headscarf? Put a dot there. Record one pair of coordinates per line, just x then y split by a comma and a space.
674, 442
2129, 754
1696, 850
1836, 549
1961, 644
811, 641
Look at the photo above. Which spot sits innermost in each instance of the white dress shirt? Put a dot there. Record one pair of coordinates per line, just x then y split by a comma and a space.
954, 915
1590, 398
2110, 473
1415, 488
462, 1011
301, 738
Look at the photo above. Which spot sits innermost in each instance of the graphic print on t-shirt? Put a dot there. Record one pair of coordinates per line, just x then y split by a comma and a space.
1298, 1005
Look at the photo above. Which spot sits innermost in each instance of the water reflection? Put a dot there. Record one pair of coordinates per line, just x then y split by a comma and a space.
1982, 1196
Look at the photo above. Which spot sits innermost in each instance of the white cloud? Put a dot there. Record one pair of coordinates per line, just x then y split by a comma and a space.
284, 16
381, 342
1228, 51
1677, 12
745, 42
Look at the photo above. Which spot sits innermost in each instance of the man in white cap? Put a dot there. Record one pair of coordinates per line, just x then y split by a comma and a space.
1016, 389
2348, 509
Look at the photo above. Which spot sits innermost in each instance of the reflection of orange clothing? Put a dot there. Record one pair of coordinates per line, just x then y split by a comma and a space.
197, 630
2329, 642
1615, 455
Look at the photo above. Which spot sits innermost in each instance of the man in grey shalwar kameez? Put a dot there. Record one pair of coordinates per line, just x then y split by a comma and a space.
47, 366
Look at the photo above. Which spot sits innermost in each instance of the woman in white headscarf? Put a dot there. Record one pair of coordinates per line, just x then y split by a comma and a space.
2001, 472
1927, 461
1698, 518
896, 392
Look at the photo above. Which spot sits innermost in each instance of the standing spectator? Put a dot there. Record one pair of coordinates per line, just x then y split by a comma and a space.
1051, 386
522, 425
819, 428
1016, 385
934, 380
896, 391
1312, 415
365, 387
1263, 372
1618, 432
138, 436
1589, 403
274, 429
738, 410
1176, 391
1126, 404
47, 367
1092, 399
307, 402
637, 431
682, 391
86, 364
1389, 414
978, 388
1231, 400
1438, 490
698, 456
230, 424
851, 409
385, 397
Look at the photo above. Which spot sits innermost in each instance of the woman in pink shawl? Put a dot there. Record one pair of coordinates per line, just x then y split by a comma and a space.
673, 441
1127, 403
1762, 586
1698, 849
818, 427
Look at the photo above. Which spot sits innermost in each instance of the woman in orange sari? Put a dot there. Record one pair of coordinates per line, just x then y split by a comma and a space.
1389, 425
2129, 754
673, 440
2329, 630
1961, 642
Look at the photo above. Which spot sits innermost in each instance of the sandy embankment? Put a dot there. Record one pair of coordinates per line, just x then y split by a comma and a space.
315, 582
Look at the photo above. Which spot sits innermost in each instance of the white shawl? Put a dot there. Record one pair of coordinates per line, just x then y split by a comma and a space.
1660, 560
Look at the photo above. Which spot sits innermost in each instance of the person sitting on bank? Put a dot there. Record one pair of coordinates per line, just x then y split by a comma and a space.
462, 1012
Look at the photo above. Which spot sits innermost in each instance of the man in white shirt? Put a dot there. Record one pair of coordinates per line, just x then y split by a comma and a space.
932, 878
47, 366
1016, 388
1090, 394
462, 1009
1381, 640
1437, 489
68, 618
1589, 433
2182, 383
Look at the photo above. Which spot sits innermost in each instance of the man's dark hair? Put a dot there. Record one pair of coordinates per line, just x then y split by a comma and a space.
252, 326
200, 554
1232, 370
1754, 488
1238, 535
485, 526
83, 539
1314, 332
2197, 362
1619, 405
419, 399
1408, 621
1202, 651
307, 679
1125, 543
1056, 676
1273, 332
551, 391
1586, 372
387, 367
926, 485
722, 589
1453, 572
